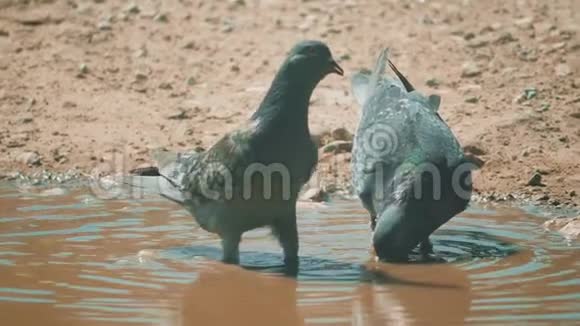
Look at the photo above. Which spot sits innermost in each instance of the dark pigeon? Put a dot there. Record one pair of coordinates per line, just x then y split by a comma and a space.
251, 177
408, 168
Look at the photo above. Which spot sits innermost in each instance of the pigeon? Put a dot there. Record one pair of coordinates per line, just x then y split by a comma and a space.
408, 169
252, 176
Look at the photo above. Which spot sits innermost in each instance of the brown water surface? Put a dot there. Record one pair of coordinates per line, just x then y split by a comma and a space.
68, 258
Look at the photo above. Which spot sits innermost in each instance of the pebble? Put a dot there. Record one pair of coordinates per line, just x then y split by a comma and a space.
337, 146
227, 28
179, 114
166, 86
563, 70
31, 158
524, 23
504, 38
83, 69
320, 136
161, 17
341, 134
470, 69
475, 149
569, 227
472, 100
313, 194
541, 197
189, 45
432, 82
528, 94
477, 43
536, 180
132, 8
475, 160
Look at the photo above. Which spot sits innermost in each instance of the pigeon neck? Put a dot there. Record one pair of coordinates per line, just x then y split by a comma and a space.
286, 102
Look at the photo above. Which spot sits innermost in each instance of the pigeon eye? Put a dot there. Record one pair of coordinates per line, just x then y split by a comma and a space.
310, 51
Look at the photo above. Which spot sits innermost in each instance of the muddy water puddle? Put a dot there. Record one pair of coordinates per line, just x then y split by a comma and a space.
69, 258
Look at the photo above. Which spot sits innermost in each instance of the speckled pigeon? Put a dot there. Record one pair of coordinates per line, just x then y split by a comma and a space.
251, 177
408, 168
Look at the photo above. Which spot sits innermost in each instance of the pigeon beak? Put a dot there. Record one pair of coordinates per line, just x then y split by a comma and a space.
335, 68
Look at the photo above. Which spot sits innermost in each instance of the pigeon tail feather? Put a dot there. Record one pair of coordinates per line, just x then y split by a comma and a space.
408, 86
379, 69
144, 186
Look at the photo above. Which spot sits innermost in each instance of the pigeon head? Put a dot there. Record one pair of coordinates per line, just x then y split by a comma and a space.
312, 60
289, 95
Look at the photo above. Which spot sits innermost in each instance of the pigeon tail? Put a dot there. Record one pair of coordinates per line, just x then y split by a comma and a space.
365, 82
138, 186
401, 77
379, 69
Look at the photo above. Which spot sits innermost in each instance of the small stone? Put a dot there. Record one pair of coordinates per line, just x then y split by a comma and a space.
563, 70
53, 192
338, 146
574, 46
27, 119
475, 149
433, 82
477, 43
132, 8
569, 227
524, 23
330, 188
469, 36
341, 134
161, 17
189, 45
166, 86
227, 28
191, 81
142, 52
470, 69
543, 108
505, 38
140, 77
234, 4
572, 193
530, 93
69, 105
83, 69
104, 25
472, 100
179, 114
320, 136
313, 194
536, 180
59, 157
542, 197
30, 158
557, 46
345, 57
475, 160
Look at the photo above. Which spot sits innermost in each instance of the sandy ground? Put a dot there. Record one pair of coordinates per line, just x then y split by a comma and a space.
96, 85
